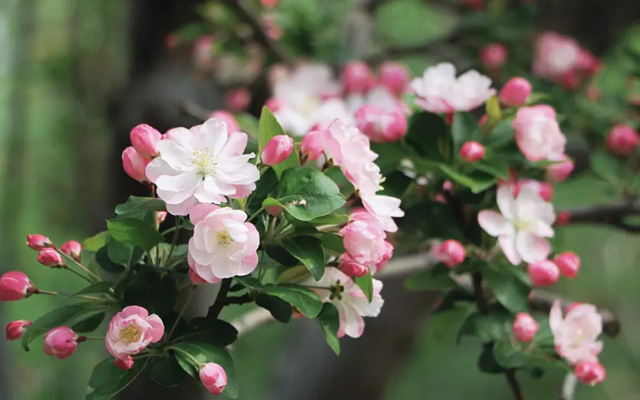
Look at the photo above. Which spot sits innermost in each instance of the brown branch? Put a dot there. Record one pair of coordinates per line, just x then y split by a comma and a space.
513, 384
608, 214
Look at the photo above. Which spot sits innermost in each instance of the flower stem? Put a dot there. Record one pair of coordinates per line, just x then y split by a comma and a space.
79, 265
176, 233
78, 274
184, 307
255, 214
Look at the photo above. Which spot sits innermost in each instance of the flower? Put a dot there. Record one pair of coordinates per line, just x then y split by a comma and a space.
381, 125
351, 268
568, 263
439, 91
494, 55
213, 377
472, 151
543, 273
349, 299
312, 145
228, 119
145, 140
357, 77
575, 335
524, 327
15, 285
515, 92
223, 244
131, 330
277, 149
622, 140
125, 363
50, 257
38, 242
555, 55
364, 241
134, 164
202, 165
590, 372
72, 249
60, 342
559, 171
450, 252
16, 329
395, 77
538, 134
522, 226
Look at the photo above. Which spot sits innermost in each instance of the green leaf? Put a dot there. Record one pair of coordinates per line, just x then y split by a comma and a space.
494, 113
146, 288
332, 242
124, 254
140, 205
463, 128
89, 324
103, 260
510, 291
428, 135
436, 278
308, 250
95, 243
609, 168
217, 332
107, 380
98, 287
268, 127
166, 371
365, 283
293, 275
493, 326
501, 134
476, 185
305, 300
134, 232
487, 362
306, 194
507, 356
329, 321
268, 181
279, 309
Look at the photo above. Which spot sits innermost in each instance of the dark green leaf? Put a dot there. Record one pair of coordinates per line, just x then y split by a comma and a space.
366, 284
487, 362
279, 309
98, 287
609, 168
463, 128
308, 250
217, 332
89, 324
510, 291
329, 321
124, 254
507, 356
140, 205
135, 232
294, 275
428, 135
166, 371
305, 300
267, 183
146, 288
107, 380
493, 326
105, 263
476, 185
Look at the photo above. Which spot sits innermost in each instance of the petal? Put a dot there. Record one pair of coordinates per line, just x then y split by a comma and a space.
200, 211
183, 207
494, 223
134, 310
532, 248
506, 201
156, 330
235, 145
508, 246
354, 324
555, 317
175, 155
213, 134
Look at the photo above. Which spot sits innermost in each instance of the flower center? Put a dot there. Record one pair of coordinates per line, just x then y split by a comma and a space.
336, 291
522, 224
130, 334
204, 160
224, 239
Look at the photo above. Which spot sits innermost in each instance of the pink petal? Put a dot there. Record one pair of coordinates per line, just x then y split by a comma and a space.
134, 310
157, 328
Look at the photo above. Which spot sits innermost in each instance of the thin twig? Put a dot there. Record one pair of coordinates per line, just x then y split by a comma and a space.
514, 385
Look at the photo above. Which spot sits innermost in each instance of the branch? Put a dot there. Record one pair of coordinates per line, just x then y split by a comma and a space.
608, 214
221, 299
514, 385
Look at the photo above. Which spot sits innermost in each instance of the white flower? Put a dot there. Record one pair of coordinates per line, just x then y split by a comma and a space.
576, 335
439, 91
202, 165
522, 227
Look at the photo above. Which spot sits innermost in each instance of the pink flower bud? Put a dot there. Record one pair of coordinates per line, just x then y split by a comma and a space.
125, 363
590, 372
588, 64
50, 257
73, 249
60, 342
312, 145
395, 77
237, 100
524, 327
16, 329
274, 211
543, 273
472, 152
351, 268
134, 164
622, 140
145, 140
515, 92
213, 377
277, 150
483, 120
493, 55
269, 3
161, 216
364, 241
563, 218
357, 77
450, 252
545, 191
195, 278
228, 119
571, 307
568, 263
15, 285
38, 242
559, 172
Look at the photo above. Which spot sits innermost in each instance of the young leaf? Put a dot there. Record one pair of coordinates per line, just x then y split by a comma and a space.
134, 232
305, 300
107, 380
366, 284
329, 321
510, 291
95, 243
268, 127
139, 205
308, 250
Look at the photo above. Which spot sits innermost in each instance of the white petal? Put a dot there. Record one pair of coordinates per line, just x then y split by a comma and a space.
508, 246
532, 248
175, 155
506, 201
494, 223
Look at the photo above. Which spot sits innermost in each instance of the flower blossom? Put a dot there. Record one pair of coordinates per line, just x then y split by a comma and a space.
575, 334
538, 134
60, 342
131, 331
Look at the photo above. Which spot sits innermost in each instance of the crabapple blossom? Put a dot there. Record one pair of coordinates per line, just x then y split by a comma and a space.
50, 257
223, 244
439, 91
575, 334
544, 189
524, 327
134, 164
237, 100
131, 330
395, 77
381, 125
277, 149
312, 145
16, 329
515, 92
351, 268
357, 77
364, 241
560, 171
563, 218
522, 226
213, 378
472, 151
202, 165
590, 372
38, 242
202, 56
15, 285
228, 119
450, 252
145, 140
494, 55
60, 342
555, 55
622, 140
568, 263
538, 134
543, 273
124, 363
72, 249
388, 253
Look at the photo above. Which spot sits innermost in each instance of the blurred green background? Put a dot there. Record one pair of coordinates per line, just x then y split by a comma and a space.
62, 62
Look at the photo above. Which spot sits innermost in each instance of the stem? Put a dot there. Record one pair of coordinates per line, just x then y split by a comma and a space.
184, 307
175, 239
78, 274
82, 267
93, 338
478, 292
217, 306
198, 363
244, 299
255, 214
513, 384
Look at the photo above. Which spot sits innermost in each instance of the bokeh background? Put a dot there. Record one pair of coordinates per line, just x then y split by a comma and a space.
76, 75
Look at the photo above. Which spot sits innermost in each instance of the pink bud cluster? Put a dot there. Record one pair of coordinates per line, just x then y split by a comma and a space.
450, 252
494, 55
366, 247
547, 272
144, 147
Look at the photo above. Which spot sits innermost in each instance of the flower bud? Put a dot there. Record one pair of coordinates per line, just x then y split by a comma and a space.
15, 285
237, 100
568, 263
450, 252
571, 307
472, 152
622, 140
124, 364
213, 377
545, 191
312, 145
73, 249
38, 242
228, 119
483, 120
269, 3
395, 77
563, 218
524, 327
60, 342
144, 139
543, 273
357, 77
515, 92
134, 164
50, 257
16, 329
590, 372
160, 217
351, 268
493, 55
559, 172
274, 211
277, 150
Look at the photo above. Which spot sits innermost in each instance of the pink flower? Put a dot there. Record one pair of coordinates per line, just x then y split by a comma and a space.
538, 134
622, 140
203, 52
395, 77
16, 329
73, 249
134, 164
555, 55
590, 372
364, 242
269, 3
381, 125
203, 164
587, 64
544, 189
515, 92
223, 244
228, 119
131, 330
450, 252
237, 100
15, 285
576, 334
522, 226
568, 263
494, 55
60, 342
563, 218
472, 151
125, 363
524, 327
312, 145
383, 209
38, 242
560, 171
357, 77
277, 149
439, 91
213, 377
388, 253
145, 140
351, 268
543, 273
50, 257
